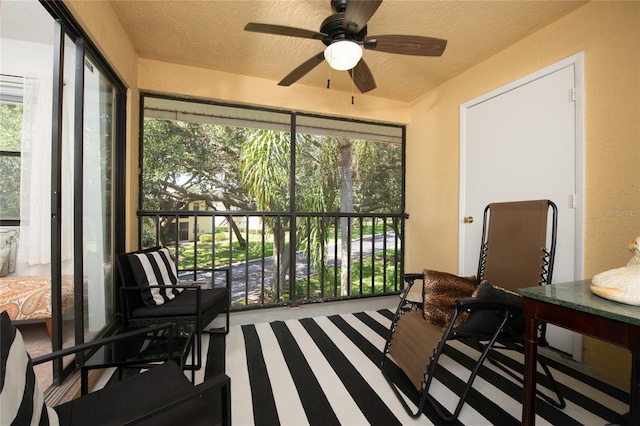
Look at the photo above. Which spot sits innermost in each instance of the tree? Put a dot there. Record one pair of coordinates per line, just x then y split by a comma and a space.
186, 162
345, 175
378, 178
264, 165
10, 141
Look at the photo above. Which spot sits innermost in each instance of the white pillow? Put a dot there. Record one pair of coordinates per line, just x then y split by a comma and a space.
5, 253
21, 400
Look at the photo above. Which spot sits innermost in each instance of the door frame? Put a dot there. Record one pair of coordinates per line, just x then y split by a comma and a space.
577, 61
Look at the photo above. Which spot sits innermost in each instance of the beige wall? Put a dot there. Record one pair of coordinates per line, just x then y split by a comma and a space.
181, 80
99, 21
609, 35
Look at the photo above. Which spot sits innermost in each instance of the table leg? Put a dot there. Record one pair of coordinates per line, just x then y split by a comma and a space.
634, 403
84, 381
530, 360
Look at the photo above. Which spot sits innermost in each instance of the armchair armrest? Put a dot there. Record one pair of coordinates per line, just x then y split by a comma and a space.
140, 288
144, 413
412, 276
199, 283
227, 273
487, 317
224, 269
473, 303
101, 342
187, 287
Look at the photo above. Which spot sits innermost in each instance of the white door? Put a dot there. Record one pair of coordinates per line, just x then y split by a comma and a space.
519, 143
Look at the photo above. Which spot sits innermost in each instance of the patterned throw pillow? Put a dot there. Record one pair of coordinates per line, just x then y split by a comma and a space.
441, 290
21, 400
155, 268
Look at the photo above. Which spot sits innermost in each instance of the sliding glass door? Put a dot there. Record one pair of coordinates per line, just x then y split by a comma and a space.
61, 134
97, 147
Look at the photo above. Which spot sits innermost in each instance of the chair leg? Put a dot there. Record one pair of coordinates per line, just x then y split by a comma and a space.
196, 346
424, 395
401, 398
197, 349
220, 330
193, 370
560, 403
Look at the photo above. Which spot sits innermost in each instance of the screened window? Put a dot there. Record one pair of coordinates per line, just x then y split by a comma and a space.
296, 206
10, 143
240, 158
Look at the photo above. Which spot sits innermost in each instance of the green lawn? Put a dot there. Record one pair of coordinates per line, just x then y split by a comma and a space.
254, 249
313, 288
222, 252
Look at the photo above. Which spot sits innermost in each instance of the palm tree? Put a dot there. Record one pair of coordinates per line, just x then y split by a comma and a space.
265, 170
264, 166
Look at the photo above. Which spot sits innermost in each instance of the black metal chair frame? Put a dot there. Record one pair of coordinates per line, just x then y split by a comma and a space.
131, 299
168, 401
503, 338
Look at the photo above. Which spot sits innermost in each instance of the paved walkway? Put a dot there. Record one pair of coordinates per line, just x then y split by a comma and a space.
247, 277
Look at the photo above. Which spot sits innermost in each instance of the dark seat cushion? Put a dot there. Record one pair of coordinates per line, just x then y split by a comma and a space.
183, 304
149, 387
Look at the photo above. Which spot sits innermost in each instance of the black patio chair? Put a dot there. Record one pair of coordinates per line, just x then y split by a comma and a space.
159, 396
151, 293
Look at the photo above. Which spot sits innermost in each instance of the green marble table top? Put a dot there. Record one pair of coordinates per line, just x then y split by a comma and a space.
577, 295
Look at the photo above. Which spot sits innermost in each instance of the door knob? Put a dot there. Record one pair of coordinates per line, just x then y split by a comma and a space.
468, 219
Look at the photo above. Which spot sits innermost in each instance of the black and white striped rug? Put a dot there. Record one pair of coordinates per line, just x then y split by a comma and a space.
325, 371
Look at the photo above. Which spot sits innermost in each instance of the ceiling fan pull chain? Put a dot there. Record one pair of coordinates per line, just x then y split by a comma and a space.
353, 98
329, 79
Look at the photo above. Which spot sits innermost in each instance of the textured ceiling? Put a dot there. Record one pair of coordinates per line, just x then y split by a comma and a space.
210, 34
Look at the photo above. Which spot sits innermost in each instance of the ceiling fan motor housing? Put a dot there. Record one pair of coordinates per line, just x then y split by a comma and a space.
332, 26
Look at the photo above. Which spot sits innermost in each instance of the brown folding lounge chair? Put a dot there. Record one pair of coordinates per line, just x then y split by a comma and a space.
517, 250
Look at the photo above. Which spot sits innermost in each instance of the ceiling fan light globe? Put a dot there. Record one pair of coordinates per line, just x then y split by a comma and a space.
343, 55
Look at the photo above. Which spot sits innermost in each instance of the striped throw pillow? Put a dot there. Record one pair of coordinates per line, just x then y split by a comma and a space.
155, 268
21, 400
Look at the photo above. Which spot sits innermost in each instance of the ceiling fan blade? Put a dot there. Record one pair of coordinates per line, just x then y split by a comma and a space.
284, 30
362, 77
302, 70
407, 45
358, 13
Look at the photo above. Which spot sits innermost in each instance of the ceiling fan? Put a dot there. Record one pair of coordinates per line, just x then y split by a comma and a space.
345, 34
